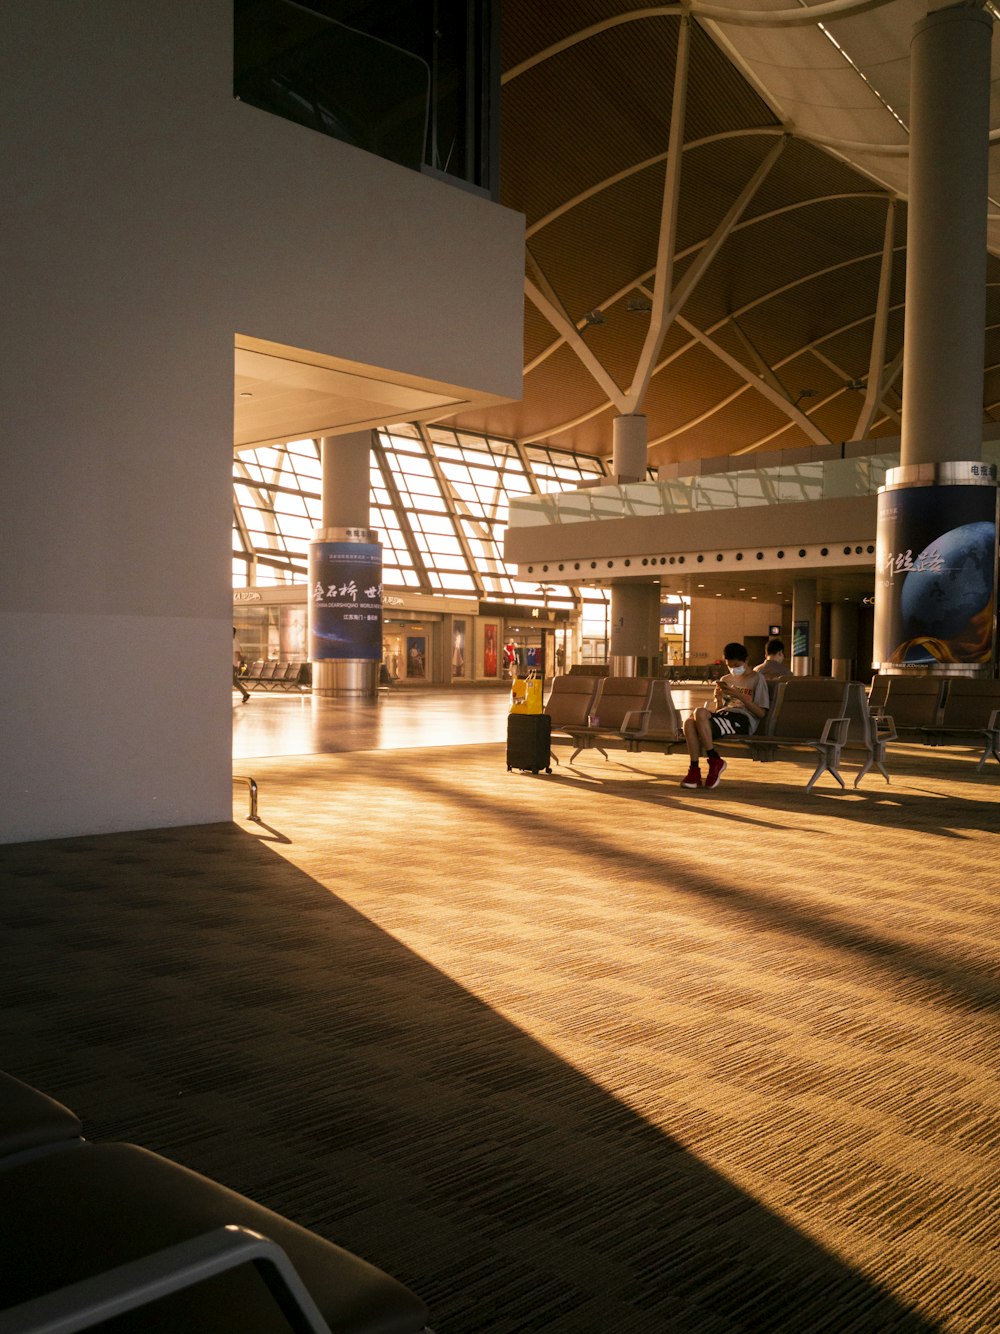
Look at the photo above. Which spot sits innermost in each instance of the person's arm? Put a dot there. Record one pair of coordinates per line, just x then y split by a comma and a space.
753, 697
720, 693
761, 701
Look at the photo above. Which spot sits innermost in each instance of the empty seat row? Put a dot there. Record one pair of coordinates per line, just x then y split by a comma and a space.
938, 711
274, 674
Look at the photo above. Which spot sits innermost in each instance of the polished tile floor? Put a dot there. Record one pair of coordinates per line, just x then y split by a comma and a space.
402, 718
399, 719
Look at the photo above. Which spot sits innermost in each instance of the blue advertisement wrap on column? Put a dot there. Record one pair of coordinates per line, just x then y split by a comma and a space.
345, 601
935, 573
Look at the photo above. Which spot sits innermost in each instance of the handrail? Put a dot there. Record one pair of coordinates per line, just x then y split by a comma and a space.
252, 785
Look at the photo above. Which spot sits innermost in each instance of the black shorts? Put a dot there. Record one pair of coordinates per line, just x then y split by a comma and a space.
729, 722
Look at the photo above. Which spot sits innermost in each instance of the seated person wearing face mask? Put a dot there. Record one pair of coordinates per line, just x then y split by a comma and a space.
739, 702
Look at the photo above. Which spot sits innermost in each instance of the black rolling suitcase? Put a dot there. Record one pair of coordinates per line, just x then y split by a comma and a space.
529, 738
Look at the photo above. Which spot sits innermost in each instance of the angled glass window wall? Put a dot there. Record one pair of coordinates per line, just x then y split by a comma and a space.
440, 502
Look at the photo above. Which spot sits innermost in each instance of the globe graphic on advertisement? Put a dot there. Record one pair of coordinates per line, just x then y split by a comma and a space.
952, 581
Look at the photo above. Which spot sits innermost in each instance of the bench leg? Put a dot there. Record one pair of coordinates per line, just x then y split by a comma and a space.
828, 763
585, 743
989, 749
876, 759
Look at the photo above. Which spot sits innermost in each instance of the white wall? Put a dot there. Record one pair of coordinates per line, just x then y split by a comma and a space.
150, 218
716, 622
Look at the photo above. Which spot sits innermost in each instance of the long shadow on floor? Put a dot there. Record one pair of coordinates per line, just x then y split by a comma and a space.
193, 992
874, 803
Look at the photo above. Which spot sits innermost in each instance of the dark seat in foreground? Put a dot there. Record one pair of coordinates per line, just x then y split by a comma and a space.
91, 1230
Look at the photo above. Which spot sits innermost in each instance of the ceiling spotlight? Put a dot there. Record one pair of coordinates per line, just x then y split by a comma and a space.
593, 317
805, 393
638, 304
855, 384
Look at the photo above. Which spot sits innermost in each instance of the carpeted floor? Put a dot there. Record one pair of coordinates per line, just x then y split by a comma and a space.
574, 1053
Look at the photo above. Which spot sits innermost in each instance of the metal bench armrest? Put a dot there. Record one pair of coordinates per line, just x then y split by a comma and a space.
94, 1300
839, 727
630, 727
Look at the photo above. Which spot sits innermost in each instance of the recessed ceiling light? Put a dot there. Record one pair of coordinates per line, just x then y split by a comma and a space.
701, 585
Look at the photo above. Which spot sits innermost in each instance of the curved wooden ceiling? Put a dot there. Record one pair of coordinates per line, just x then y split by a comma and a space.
772, 346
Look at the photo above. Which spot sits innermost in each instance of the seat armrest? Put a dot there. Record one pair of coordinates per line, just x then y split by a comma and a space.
886, 727
130, 1286
839, 727
629, 725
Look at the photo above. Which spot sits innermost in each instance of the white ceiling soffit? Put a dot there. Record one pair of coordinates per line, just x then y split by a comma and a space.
843, 83
283, 393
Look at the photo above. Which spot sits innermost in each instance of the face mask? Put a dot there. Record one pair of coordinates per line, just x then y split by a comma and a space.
737, 671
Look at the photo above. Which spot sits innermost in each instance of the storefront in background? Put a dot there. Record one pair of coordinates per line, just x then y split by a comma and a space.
272, 623
425, 639
520, 639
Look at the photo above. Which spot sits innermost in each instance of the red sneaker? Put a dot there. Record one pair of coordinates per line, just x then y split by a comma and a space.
692, 778
716, 768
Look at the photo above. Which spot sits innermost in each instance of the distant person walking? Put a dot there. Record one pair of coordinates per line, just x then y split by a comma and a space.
237, 666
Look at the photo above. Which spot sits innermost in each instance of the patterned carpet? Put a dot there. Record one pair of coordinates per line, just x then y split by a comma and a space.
567, 1054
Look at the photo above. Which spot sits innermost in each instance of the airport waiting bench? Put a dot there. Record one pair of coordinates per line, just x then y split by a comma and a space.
275, 674
938, 711
595, 713
815, 714
95, 1232
827, 717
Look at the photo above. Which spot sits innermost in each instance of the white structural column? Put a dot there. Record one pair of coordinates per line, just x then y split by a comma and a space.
635, 627
346, 482
630, 435
635, 603
946, 237
935, 558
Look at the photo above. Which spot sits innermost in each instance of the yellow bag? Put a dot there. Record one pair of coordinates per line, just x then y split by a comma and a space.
526, 695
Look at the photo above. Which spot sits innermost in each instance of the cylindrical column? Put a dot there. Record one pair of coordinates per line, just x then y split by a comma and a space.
345, 575
803, 626
935, 570
843, 639
630, 434
946, 237
346, 485
935, 556
635, 627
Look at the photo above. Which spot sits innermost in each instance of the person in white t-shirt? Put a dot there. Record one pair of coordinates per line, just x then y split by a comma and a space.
739, 702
